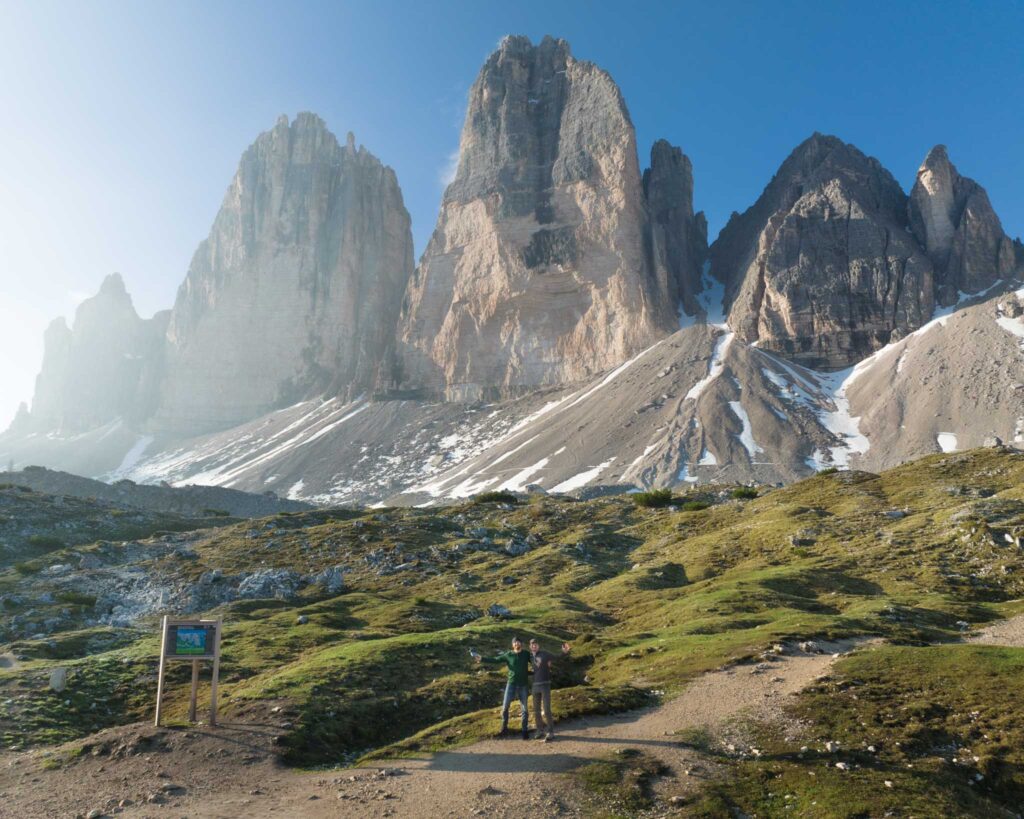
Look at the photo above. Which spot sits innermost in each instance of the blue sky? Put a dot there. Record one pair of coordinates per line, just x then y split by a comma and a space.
122, 123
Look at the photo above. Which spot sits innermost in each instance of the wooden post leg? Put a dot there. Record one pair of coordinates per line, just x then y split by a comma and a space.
216, 673
195, 691
160, 674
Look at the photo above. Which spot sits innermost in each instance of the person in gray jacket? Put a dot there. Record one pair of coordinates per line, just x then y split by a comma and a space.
541, 662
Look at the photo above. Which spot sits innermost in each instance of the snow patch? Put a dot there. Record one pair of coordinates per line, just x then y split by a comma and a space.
746, 436
583, 478
947, 441
707, 458
131, 457
295, 493
839, 421
712, 297
715, 367
1012, 325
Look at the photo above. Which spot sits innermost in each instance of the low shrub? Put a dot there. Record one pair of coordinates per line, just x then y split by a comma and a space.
495, 497
744, 493
653, 499
695, 506
45, 542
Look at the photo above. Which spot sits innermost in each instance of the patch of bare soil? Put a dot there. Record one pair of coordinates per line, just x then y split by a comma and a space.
1004, 633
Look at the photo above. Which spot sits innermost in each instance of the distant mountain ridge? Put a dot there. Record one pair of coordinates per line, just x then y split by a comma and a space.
567, 325
190, 501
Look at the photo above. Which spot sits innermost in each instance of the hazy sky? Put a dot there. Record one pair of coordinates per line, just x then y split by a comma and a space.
121, 123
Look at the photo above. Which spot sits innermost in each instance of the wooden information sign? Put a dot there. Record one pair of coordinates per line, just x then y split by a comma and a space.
194, 640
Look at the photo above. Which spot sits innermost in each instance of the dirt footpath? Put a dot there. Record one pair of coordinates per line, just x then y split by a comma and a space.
1004, 633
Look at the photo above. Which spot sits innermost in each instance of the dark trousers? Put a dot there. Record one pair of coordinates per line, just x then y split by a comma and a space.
520, 692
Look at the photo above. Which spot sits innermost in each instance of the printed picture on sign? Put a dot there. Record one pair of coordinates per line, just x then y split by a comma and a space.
190, 641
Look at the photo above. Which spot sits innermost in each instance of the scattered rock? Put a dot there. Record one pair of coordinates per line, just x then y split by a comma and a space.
58, 679
332, 579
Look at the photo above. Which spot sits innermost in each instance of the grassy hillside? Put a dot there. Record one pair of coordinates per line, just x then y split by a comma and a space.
650, 597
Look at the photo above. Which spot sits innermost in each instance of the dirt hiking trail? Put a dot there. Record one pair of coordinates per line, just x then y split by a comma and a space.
232, 770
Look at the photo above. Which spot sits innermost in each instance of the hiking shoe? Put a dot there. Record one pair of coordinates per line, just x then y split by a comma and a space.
526, 734
501, 734
549, 737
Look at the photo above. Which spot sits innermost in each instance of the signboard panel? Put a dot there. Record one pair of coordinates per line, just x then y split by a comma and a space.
190, 641
193, 640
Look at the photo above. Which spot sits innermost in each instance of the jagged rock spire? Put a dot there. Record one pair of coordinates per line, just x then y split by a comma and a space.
952, 217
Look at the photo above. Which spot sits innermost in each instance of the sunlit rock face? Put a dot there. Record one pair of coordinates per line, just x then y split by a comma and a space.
297, 289
102, 368
539, 270
954, 220
822, 268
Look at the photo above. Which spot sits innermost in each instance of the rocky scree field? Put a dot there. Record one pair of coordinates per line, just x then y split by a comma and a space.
357, 625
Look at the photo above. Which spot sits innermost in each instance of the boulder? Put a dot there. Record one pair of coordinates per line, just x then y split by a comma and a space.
58, 679
332, 579
269, 583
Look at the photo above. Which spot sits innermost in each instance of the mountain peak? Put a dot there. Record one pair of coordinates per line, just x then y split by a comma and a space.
520, 43
311, 234
937, 156
546, 146
113, 285
951, 216
824, 233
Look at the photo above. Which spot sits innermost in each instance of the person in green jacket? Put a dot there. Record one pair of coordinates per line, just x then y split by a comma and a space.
518, 662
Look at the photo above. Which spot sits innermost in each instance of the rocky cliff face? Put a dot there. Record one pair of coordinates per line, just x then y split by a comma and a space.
537, 272
678, 237
103, 367
298, 288
822, 268
953, 219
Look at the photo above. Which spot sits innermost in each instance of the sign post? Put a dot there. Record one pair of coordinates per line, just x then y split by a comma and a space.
194, 640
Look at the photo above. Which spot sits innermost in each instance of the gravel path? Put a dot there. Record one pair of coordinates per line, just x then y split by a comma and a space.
1004, 633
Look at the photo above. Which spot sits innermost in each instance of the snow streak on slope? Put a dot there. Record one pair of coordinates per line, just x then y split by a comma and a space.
746, 435
715, 367
581, 480
477, 474
824, 394
1012, 324
131, 458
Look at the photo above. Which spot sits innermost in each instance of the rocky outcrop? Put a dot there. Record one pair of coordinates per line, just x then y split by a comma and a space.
954, 220
102, 368
678, 237
536, 272
822, 268
298, 288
